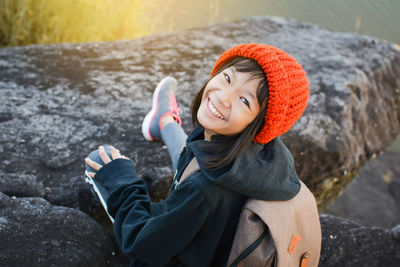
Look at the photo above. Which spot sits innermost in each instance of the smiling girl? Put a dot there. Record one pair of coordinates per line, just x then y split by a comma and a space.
256, 93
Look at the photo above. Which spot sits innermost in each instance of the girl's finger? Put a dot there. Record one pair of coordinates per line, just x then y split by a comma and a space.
91, 174
124, 157
93, 164
115, 154
103, 155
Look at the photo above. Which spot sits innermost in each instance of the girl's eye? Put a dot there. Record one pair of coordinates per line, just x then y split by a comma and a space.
227, 78
244, 100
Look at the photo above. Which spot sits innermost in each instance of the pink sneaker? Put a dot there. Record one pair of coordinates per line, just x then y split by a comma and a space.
164, 103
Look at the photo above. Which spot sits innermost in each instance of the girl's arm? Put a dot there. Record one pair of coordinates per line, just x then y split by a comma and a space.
154, 240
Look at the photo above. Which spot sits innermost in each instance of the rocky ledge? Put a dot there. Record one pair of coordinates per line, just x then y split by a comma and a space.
348, 244
375, 191
59, 102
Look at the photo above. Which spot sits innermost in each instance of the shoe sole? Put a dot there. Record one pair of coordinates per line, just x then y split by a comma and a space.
149, 117
93, 186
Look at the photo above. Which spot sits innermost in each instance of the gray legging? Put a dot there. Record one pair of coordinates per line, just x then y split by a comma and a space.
174, 137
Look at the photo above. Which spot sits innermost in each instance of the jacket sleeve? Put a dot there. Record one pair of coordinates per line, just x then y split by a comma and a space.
153, 240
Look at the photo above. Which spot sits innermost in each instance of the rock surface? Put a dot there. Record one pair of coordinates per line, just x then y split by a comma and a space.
345, 243
59, 102
35, 233
373, 196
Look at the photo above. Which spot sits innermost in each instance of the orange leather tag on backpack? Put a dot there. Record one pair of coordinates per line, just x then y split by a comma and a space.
293, 243
304, 259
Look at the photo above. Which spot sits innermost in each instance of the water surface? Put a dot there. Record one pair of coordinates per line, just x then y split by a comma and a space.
379, 18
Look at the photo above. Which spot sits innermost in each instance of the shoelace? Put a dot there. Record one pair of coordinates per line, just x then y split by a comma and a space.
174, 109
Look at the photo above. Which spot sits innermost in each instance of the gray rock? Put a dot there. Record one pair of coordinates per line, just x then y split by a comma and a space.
62, 101
35, 233
345, 243
373, 196
21, 185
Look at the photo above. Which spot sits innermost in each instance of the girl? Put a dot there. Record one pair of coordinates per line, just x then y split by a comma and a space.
256, 93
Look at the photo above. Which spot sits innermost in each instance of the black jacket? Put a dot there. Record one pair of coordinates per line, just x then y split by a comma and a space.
195, 225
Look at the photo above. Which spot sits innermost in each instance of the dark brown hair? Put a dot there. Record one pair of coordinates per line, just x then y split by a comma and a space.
222, 149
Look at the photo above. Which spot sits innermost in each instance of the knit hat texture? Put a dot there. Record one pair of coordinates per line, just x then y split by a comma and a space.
287, 82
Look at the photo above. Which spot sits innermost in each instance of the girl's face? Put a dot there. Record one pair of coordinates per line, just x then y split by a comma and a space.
229, 103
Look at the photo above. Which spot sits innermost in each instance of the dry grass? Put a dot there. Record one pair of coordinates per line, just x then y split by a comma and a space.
24, 22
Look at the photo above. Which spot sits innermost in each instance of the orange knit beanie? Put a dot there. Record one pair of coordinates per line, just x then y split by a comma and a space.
287, 82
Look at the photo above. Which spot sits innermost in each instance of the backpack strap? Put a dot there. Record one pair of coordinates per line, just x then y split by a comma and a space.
191, 168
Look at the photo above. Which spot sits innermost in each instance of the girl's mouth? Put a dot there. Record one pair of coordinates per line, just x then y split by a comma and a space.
213, 110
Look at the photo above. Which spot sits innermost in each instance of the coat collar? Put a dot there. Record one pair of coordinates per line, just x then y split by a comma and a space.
263, 171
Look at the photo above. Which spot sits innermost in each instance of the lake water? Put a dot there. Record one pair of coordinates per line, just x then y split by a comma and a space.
379, 18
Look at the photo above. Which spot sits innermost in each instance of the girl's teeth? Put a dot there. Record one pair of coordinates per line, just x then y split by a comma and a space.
214, 110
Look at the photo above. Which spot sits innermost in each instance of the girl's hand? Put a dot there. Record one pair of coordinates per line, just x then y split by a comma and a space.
115, 154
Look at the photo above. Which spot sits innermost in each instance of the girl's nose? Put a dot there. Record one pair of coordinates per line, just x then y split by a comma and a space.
225, 97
